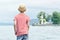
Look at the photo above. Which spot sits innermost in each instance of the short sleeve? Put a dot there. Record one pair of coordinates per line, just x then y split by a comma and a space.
28, 20
15, 20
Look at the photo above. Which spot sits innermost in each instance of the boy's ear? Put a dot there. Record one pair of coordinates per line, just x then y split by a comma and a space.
18, 9
25, 10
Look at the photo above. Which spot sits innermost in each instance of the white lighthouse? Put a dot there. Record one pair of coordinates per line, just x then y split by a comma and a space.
42, 20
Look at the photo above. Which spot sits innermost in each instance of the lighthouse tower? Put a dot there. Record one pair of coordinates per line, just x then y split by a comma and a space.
42, 20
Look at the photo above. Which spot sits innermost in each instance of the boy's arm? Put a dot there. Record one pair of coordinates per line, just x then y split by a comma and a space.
27, 24
15, 28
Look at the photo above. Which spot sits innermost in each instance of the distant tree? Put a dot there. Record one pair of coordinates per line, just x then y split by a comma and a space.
48, 18
56, 17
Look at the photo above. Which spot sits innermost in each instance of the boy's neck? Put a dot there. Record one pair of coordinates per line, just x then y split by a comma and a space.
21, 12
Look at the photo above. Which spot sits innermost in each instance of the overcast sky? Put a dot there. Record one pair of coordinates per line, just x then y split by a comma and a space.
8, 8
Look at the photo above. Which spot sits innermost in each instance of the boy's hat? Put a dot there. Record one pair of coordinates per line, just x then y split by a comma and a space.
22, 8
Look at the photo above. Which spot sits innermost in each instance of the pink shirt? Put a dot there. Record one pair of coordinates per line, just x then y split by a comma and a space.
22, 24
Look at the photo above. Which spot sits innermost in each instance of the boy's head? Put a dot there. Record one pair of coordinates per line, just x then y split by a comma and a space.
22, 8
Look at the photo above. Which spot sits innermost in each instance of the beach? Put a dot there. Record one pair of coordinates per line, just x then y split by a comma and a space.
35, 33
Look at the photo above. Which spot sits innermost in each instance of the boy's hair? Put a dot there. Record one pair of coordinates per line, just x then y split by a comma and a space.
22, 8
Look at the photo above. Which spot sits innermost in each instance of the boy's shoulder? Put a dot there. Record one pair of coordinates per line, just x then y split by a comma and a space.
18, 14
27, 16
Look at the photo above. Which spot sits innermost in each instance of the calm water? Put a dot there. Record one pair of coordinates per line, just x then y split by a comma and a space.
35, 33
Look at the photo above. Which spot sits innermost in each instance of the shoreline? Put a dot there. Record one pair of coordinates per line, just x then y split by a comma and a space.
38, 25
47, 25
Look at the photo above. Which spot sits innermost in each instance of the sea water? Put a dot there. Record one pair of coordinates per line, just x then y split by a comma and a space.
35, 33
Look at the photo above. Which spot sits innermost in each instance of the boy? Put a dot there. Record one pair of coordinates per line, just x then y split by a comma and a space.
21, 24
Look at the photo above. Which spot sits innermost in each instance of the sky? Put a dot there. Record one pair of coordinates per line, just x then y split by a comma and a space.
8, 8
